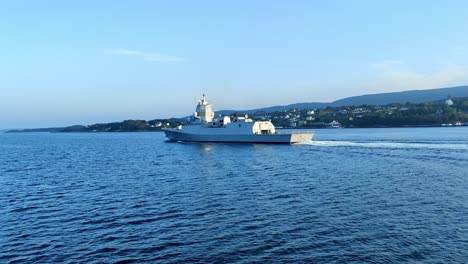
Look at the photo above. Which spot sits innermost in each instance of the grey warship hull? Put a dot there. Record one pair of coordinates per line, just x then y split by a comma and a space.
287, 138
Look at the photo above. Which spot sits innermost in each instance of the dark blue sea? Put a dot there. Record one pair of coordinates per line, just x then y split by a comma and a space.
364, 195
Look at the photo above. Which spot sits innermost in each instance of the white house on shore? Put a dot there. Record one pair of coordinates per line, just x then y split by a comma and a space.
449, 101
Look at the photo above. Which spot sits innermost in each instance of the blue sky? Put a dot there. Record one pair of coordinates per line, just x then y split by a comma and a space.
83, 62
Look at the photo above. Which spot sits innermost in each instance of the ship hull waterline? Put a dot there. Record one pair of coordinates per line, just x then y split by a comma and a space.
175, 135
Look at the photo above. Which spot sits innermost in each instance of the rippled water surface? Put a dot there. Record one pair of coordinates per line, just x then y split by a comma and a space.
369, 195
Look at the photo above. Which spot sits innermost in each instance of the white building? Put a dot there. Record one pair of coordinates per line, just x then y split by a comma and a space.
449, 102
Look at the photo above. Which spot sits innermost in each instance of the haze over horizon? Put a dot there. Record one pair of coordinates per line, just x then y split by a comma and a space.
65, 63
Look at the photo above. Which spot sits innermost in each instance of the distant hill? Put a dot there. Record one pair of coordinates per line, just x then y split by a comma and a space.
414, 96
47, 129
276, 108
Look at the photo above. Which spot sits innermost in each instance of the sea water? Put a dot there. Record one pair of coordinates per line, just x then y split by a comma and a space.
365, 195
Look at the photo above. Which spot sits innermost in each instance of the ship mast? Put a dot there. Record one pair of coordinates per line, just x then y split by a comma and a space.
204, 111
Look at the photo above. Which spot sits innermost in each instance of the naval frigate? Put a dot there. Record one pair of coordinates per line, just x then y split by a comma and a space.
205, 127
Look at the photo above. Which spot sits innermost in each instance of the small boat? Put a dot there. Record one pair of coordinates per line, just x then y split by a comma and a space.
204, 127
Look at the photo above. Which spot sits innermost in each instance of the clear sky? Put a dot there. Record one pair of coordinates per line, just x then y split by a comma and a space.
83, 62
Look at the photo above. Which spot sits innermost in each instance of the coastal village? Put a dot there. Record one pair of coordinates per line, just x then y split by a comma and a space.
451, 112
445, 113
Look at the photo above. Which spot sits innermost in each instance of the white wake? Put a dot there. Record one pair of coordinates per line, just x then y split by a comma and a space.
395, 145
